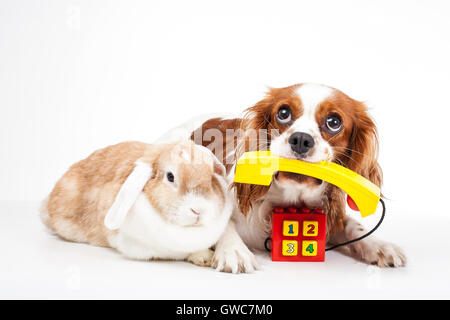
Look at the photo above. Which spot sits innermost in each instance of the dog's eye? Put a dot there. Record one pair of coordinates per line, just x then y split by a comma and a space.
170, 177
333, 123
284, 115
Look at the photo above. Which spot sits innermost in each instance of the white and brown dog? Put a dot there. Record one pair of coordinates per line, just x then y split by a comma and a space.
309, 122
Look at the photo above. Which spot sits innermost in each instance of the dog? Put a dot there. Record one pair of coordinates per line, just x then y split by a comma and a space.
313, 123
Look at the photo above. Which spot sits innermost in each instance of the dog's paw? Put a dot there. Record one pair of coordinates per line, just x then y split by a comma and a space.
235, 259
375, 252
201, 258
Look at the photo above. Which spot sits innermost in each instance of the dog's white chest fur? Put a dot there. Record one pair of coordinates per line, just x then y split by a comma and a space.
256, 226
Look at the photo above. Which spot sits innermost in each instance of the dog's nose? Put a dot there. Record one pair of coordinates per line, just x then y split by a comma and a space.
301, 142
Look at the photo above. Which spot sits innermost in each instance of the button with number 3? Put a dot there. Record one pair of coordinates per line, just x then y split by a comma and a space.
310, 228
289, 248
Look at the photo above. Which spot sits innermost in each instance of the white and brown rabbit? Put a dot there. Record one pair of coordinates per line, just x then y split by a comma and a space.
162, 201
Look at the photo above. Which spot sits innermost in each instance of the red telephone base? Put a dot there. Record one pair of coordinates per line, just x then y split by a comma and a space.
298, 234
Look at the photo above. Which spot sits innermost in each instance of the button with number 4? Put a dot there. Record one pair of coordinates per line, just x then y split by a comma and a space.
309, 248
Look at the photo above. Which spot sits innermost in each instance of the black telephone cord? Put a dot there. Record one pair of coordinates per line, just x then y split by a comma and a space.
350, 241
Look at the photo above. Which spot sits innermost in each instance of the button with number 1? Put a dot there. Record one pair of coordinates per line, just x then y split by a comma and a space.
290, 228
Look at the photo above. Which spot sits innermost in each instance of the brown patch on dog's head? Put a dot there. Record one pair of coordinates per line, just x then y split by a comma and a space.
356, 145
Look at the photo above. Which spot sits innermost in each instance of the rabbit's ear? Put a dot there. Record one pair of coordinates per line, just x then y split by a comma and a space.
127, 195
218, 167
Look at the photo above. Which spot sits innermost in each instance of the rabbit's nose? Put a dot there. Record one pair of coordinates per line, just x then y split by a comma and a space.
197, 212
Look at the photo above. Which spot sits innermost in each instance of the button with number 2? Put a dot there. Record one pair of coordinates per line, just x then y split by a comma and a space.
310, 228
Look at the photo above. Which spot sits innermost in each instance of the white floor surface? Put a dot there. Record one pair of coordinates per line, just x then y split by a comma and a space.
35, 264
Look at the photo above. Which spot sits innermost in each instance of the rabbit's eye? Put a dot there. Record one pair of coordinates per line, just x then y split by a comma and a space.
170, 177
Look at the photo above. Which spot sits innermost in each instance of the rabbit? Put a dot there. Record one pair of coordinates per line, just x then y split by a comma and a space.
159, 201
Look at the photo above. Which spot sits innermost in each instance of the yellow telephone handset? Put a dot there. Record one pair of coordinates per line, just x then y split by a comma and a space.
258, 167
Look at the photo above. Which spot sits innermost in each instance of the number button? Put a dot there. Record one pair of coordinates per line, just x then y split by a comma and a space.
310, 228
290, 228
289, 248
309, 248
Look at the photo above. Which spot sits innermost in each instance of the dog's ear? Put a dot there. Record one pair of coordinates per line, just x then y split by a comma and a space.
246, 193
364, 146
256, 120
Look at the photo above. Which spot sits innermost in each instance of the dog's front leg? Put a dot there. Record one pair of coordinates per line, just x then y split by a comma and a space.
231, 254
369, 250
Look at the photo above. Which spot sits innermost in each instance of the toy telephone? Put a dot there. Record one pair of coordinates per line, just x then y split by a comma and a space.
258, 167
298, 234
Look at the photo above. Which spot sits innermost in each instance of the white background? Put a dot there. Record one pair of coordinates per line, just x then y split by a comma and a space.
76, 76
